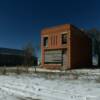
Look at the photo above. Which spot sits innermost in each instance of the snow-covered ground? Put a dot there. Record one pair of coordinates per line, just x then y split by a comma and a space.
32, 87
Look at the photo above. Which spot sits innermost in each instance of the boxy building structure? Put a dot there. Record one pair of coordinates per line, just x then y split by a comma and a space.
14, 57
65, 47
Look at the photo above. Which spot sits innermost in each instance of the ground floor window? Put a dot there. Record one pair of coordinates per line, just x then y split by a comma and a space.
55, 57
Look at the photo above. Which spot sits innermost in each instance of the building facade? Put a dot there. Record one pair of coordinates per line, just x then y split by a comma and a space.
65, 47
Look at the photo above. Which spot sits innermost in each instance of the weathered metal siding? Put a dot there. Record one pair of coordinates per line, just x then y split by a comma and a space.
53, 57
78, 47
54, 43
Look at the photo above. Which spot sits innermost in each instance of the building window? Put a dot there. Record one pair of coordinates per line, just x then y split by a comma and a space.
64, 38
45, 41
53, 57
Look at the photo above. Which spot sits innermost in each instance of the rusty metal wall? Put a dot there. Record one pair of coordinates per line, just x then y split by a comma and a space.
54, 43
78, 46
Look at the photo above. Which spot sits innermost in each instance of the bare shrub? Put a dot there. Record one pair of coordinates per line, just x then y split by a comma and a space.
17, 70
4, 71
27, 68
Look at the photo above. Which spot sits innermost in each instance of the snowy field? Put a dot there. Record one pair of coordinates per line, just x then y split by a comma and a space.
32, 87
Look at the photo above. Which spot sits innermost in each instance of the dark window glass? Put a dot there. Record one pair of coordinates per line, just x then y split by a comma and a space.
64, 38
45, 41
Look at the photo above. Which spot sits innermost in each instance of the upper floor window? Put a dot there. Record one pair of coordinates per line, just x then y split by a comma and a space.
45, 41
64, 38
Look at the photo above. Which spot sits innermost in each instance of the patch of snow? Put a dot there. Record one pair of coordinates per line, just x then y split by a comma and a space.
24, 87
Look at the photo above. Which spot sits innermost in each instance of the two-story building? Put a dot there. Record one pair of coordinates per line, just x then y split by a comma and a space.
65, 47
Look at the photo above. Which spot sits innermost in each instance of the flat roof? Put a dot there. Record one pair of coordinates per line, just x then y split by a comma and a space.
10, 51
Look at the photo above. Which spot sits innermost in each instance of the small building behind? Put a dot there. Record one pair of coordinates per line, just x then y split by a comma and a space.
13, 57
65, 47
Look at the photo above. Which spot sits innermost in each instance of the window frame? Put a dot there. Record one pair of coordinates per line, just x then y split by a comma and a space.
44, 41
62, 41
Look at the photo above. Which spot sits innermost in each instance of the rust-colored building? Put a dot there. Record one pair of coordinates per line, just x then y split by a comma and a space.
65, 47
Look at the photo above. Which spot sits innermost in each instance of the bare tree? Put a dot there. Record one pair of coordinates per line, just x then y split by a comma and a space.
29, 52
95, 35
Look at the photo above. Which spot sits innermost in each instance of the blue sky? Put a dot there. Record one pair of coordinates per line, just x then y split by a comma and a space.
21, 21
